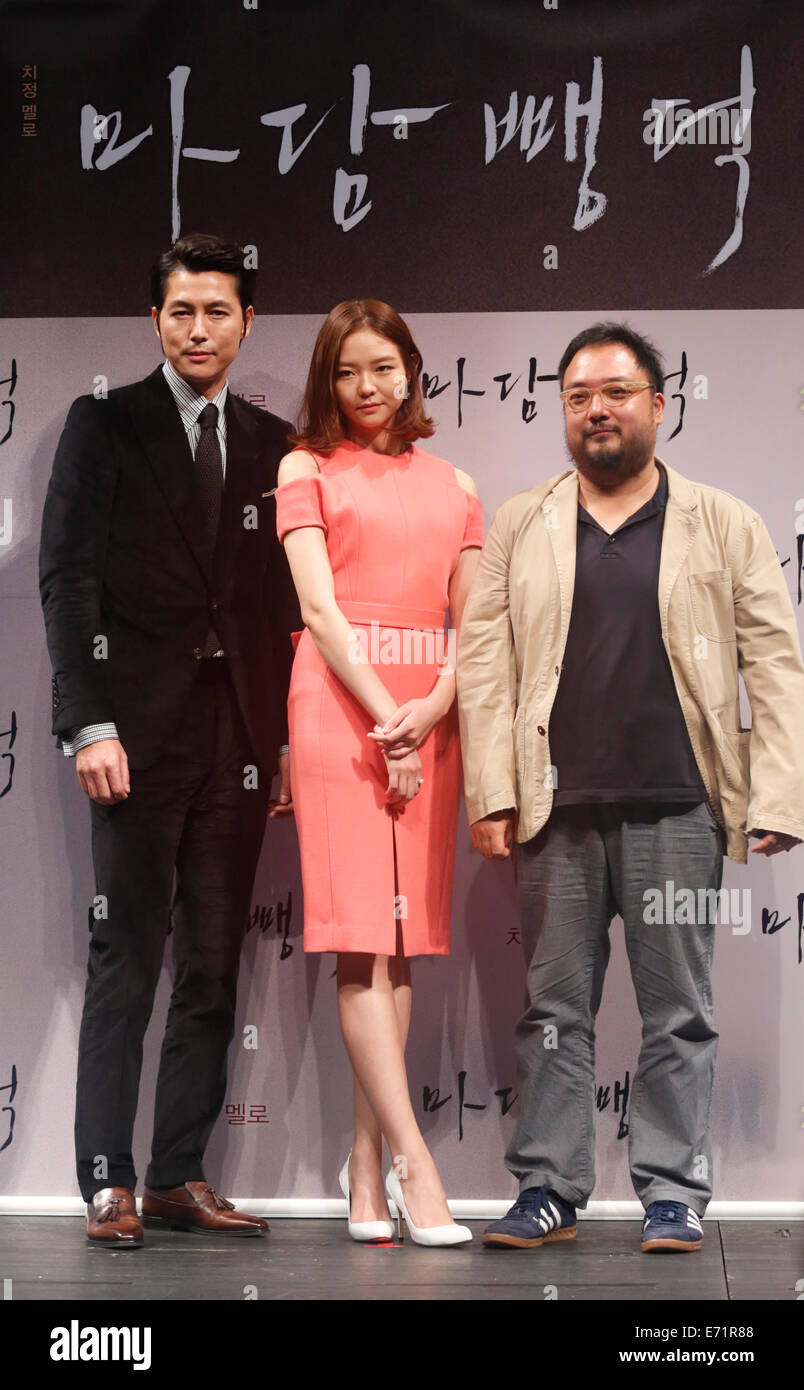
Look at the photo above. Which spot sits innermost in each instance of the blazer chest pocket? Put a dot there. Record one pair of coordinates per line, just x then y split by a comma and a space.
713, 604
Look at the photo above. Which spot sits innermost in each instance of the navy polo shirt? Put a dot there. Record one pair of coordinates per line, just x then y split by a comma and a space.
617, 731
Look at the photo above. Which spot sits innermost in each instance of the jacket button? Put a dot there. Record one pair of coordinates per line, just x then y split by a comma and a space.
540, 728
198, 652
214, 605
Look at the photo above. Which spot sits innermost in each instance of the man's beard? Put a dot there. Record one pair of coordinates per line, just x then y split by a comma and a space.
613, 465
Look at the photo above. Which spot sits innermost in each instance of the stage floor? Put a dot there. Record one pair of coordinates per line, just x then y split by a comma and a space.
48, 1258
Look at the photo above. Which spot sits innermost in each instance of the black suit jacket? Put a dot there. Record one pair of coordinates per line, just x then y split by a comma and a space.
121, 558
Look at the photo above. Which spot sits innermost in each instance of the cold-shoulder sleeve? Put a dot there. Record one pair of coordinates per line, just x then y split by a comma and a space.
299, 503
473, 529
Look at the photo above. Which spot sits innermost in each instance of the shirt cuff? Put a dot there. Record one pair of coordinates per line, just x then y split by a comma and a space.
81, 738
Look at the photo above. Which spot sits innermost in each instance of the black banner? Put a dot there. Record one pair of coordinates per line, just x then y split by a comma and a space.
444, 156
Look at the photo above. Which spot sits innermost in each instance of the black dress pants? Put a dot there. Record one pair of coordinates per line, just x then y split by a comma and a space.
191, 819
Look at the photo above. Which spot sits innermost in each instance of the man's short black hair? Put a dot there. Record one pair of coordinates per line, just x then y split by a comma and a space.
648, 356
198, 252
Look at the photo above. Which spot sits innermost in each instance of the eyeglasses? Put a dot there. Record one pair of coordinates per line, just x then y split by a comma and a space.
615, 393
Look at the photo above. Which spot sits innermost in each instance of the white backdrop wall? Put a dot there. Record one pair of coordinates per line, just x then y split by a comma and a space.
287, 1129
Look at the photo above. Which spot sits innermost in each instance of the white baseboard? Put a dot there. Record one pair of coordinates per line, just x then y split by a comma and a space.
470, 1209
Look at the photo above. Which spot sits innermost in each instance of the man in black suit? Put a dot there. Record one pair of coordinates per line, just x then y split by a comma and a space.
169, 606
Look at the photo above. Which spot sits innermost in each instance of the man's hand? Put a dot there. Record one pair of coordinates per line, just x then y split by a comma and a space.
492, 835
773, 842
283, 806
102, 769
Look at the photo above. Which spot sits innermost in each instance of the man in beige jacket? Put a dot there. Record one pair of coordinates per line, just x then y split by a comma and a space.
600, 725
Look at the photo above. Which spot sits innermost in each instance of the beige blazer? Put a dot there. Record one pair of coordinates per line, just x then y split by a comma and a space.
724, 607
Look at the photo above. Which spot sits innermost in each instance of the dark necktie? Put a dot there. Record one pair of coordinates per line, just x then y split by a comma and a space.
209, 476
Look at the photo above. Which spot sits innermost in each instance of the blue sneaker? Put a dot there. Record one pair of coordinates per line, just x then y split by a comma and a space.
536, 1216
671, 1226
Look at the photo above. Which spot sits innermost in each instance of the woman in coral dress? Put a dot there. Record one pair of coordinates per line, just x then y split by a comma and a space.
382, 541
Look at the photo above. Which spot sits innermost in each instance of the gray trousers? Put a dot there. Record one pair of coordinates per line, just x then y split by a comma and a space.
585, 866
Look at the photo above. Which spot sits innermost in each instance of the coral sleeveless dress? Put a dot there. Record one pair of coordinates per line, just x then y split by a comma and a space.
394, 529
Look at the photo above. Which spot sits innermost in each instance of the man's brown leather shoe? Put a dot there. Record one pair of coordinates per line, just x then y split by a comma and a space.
112, 1219
198, 1207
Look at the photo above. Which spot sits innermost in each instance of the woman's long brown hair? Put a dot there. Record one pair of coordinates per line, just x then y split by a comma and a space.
321, 425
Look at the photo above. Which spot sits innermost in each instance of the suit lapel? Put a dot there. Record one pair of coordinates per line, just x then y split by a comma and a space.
560, 511
161, 433
242, 489
681, 522
160, 430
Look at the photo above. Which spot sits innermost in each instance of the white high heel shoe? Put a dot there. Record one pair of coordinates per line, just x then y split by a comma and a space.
362, 1230
423, 1235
